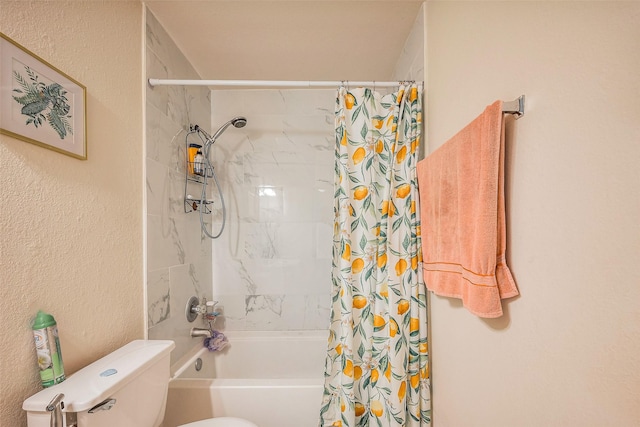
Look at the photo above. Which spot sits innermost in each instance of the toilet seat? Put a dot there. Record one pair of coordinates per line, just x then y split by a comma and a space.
221, 422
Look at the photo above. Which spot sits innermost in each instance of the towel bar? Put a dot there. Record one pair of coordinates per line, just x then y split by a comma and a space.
515, 107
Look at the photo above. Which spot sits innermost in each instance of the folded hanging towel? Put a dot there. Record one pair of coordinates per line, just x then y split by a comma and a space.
462, 213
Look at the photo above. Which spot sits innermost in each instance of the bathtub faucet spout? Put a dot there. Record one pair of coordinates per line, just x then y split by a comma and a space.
201, 332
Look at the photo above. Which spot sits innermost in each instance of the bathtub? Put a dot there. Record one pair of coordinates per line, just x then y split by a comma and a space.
273, 379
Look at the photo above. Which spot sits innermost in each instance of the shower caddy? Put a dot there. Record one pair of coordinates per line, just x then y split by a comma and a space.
194, 203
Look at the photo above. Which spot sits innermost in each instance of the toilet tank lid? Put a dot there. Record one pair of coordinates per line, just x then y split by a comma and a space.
101, 379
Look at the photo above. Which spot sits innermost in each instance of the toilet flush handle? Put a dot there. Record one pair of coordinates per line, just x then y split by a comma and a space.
55, 407
103, 406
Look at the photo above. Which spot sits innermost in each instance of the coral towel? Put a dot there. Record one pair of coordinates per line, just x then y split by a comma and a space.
463, 216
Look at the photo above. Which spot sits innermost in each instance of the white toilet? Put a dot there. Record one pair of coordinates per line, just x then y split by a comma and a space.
127, 388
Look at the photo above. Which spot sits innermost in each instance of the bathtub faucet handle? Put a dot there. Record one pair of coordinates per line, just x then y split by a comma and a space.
196, 307
206, 307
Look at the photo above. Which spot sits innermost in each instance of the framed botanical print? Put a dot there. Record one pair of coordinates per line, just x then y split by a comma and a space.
39, 103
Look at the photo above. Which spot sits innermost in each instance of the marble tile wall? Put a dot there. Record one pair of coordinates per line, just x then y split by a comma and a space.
178, 256
271, 269
411, 65
411, 62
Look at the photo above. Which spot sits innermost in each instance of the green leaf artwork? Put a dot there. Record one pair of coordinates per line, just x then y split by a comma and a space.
43, 103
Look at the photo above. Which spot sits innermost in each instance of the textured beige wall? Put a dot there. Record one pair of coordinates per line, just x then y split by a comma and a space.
72, 230
567, 352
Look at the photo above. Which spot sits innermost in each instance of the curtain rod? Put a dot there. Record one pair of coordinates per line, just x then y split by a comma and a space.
271, 83
515, 107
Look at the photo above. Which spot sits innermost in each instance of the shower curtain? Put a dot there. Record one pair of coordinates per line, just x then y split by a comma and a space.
377, 371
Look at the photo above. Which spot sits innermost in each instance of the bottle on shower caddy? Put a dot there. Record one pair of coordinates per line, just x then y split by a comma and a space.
198, 163
194, 149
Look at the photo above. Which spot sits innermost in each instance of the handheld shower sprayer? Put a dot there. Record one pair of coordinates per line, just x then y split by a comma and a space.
208, 140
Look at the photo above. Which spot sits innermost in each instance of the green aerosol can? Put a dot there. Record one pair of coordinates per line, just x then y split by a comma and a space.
45, 333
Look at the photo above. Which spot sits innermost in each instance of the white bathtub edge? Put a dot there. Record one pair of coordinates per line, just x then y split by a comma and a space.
187, 360
247, 383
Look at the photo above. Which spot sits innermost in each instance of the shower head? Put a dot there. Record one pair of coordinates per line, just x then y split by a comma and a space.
237, 122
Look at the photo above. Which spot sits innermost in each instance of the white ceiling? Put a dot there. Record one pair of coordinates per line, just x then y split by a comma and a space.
289, 40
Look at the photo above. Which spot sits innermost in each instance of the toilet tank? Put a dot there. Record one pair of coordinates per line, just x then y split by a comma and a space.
132, 381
